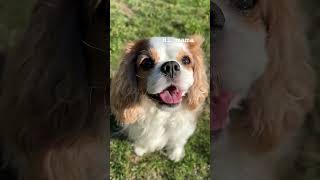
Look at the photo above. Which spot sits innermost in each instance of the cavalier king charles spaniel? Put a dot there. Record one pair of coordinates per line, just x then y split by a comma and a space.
264, 87
158, 92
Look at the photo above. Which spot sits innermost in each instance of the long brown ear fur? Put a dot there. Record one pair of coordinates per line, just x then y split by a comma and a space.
199, 90
125, 95
280, 99
49, 127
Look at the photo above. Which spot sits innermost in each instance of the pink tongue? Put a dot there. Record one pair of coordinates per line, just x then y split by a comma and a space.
221, 110
171, 95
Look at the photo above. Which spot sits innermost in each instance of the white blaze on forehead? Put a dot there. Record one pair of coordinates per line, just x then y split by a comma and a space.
167, 47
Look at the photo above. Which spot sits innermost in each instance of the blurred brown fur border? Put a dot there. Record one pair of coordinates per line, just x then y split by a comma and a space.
53, 105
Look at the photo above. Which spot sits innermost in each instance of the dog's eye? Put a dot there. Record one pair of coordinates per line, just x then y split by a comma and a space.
186, 60
244, 5
147, 63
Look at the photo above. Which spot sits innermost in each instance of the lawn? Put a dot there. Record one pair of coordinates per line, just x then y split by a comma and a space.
135, 19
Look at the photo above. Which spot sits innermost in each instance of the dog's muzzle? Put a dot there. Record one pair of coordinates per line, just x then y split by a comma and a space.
170, 69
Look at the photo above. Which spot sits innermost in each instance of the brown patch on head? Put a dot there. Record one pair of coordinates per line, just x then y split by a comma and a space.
183, 54
199, 90
136, 46
195, 43
154, 54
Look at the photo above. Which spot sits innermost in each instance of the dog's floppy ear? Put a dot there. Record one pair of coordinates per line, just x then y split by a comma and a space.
280, 99
199, 90
125, 95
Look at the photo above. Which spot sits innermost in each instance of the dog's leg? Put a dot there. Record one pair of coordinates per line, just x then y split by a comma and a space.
178, 138
147, 140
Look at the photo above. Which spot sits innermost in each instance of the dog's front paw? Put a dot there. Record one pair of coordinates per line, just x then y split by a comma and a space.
176, 154
139, 150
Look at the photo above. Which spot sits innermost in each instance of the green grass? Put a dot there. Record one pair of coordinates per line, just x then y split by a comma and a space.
135, 19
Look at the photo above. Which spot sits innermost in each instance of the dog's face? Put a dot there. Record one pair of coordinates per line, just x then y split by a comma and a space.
241, 54
261, 59
166, 71
240, 37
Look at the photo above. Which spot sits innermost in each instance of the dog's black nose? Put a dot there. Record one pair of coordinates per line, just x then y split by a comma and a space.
170, 69
217, 18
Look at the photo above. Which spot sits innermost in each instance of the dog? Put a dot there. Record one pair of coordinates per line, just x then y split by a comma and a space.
52, 104
264, 87
158, 92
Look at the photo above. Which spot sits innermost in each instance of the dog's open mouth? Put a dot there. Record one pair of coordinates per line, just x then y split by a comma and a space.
221, 109
170, 96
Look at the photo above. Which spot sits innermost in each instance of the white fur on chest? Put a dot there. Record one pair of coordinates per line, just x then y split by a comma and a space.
160, 129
